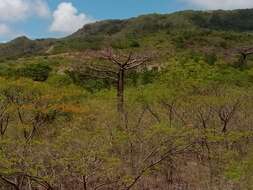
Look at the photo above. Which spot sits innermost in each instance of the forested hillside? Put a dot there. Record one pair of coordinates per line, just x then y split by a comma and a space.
157, 102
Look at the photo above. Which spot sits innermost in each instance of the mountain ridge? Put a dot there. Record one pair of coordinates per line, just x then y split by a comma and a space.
102, 33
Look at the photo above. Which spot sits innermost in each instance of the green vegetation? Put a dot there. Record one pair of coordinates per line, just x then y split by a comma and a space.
187, 119
37, 72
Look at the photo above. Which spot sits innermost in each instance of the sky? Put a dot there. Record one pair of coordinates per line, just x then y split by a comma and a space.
58, 18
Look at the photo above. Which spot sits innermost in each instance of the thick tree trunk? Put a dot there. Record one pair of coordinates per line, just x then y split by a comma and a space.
120, 90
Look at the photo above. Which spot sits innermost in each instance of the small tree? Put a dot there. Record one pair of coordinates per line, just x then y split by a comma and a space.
122, 62
244, 53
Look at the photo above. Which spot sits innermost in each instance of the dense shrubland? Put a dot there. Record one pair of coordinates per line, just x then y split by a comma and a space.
188, 126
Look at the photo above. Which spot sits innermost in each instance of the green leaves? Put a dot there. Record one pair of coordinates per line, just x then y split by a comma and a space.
37, 72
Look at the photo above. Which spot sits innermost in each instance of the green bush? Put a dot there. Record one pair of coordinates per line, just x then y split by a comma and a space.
89, 83
211, 59
141, 78
6, 71
60, 80
134, 44
37, 72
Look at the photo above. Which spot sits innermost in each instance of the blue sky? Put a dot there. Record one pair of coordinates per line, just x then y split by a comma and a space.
57, 18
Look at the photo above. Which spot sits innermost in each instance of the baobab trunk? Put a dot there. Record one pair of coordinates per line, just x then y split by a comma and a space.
120, 90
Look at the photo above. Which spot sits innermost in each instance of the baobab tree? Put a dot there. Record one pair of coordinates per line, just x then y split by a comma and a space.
121, 63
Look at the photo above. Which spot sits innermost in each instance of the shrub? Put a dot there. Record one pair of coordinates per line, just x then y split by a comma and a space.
90, 84
37, 72
211, 59
6, 71
134, 44
60, 80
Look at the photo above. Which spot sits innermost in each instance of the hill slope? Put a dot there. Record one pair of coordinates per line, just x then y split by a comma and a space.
22, 46
181, 28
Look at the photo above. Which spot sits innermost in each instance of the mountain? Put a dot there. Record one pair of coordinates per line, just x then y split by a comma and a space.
23, 46
181, 28
236, 20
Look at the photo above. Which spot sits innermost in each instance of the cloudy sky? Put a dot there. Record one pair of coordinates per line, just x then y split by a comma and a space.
56, 18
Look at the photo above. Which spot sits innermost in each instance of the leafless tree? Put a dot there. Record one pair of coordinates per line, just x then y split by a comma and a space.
226, 113
244, 53
121, 63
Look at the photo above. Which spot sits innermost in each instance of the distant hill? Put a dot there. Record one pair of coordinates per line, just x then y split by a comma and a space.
23, 46
185, 27
236, 20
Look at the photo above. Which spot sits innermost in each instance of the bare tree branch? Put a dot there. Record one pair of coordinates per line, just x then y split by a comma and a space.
122, 62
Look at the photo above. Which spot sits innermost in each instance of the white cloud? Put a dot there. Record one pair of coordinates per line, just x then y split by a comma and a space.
66, 19
221, 4
14, 10
4, 30
41, 8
